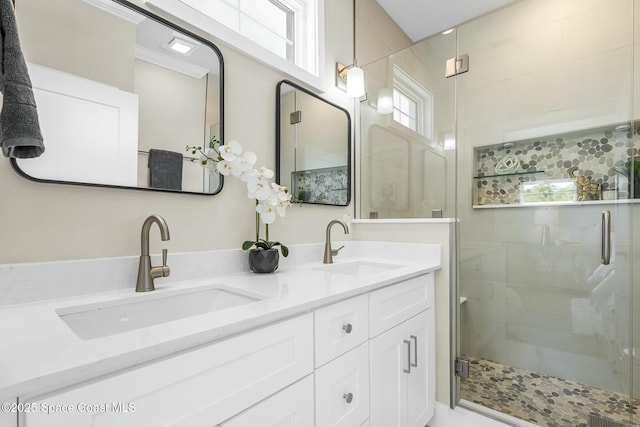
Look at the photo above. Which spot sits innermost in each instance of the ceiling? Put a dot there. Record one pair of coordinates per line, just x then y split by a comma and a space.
423, 18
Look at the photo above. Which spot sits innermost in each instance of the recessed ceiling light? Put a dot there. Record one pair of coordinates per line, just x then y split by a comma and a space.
449, 31
180, 46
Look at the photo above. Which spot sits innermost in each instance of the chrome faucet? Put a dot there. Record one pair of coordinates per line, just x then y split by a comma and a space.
147, 272
328, 251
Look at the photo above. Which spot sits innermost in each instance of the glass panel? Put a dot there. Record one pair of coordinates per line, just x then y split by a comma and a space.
634, 356
544, 320
402, 173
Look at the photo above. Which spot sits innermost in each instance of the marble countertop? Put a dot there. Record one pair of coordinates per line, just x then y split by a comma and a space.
40, 353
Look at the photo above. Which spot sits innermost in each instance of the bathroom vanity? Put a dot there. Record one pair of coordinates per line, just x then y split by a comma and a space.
343, 344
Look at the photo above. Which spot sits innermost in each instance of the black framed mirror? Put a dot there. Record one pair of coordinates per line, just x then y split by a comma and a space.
120, 92
313, 146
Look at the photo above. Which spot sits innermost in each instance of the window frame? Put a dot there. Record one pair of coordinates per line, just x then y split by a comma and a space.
309, 27
410, 88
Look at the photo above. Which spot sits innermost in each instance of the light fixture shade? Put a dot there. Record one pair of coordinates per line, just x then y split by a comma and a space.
385, 101
355, 82
181, 46
449, 142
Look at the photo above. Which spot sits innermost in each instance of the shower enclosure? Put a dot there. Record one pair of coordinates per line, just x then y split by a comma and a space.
533, 150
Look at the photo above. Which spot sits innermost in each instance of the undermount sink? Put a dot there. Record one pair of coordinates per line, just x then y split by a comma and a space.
357, 268
98, 320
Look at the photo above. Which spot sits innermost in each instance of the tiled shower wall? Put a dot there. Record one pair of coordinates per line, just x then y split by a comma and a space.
327, 185
596, 153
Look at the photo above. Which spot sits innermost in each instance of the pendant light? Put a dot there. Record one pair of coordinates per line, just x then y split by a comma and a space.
351, 75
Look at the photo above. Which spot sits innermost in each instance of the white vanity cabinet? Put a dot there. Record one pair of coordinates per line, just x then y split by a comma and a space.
342, 390
402, 354
201, 387
342, 363
291, 407
367, 361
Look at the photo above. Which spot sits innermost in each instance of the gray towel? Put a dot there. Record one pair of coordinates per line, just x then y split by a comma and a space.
165, 169
20, 135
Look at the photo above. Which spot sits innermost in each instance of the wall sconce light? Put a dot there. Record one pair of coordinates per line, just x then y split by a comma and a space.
351, 76
385, 101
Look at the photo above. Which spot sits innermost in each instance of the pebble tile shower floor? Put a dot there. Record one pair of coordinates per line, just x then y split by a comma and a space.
541, 399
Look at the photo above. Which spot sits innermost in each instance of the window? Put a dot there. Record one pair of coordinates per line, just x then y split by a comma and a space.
412, 104
551, 191
405, 110
287, 35
269, 23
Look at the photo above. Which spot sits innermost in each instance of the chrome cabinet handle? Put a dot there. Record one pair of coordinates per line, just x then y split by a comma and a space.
408, 370
348, 397
347, 328
605, 248
415, 351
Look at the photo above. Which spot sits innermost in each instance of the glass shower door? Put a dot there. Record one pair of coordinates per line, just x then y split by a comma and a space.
545, 139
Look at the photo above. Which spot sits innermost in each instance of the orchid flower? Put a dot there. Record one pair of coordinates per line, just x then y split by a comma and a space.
224, 167
271, 198
267, 212
230, 151
258, 188
243, 165
281, 192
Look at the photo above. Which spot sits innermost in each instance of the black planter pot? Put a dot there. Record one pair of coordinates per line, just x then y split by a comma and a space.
264, 260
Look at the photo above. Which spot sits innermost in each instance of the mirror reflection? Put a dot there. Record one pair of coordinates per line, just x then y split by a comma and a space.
313, 146
120, 95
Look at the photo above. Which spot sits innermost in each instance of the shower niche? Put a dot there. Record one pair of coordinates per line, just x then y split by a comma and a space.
585, 166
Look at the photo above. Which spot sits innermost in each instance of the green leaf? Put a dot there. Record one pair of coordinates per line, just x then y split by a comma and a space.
284, 250
262, 245
247, 244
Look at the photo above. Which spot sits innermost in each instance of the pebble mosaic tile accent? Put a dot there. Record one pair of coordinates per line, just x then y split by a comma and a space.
544, 400
595, 153
326, 186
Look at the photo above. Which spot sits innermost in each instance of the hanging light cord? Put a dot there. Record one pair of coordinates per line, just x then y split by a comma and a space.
354, 34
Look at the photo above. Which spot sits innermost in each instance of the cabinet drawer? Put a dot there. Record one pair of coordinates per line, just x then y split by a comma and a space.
394, 304
342, 390
291, 407
201, 387
341, 327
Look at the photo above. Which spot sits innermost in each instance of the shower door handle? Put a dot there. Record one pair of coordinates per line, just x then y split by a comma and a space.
605, 247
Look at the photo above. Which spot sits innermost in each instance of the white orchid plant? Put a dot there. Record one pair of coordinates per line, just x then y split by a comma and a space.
271, 198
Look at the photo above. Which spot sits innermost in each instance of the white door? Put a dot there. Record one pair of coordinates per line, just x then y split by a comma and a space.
389, 363
97, 123
421, 380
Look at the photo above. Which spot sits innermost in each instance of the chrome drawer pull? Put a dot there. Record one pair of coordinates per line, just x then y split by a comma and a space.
415, 351
408, 370
347, 328
348, 397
